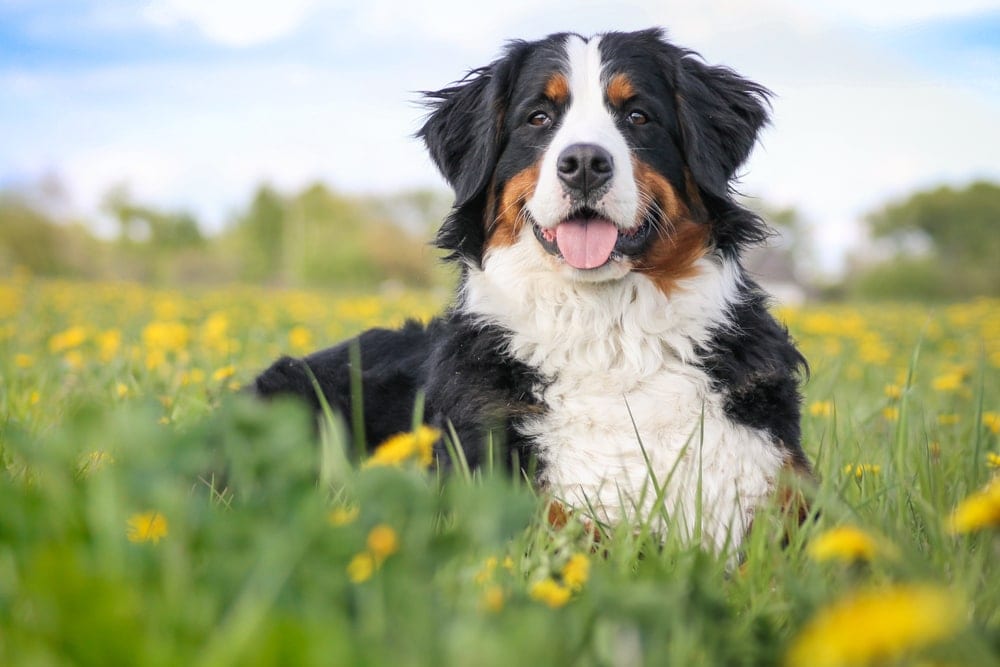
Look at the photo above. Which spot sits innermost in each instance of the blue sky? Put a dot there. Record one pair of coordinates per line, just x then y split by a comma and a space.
193, 103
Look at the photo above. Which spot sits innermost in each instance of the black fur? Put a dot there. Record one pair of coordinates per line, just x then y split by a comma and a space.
708, 120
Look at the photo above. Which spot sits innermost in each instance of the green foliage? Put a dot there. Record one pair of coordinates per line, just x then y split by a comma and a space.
958, 229
252, 569
315, 237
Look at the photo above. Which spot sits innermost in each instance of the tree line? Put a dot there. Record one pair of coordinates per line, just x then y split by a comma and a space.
940, 243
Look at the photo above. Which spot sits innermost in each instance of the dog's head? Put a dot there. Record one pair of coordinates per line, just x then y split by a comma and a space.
612, 154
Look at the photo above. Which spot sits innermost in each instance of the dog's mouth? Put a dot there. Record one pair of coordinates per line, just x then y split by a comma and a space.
586, 240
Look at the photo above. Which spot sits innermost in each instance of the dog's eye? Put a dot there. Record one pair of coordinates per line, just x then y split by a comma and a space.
637, 117
539, 119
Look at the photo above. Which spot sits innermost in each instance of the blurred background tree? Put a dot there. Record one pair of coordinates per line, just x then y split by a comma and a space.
937, 244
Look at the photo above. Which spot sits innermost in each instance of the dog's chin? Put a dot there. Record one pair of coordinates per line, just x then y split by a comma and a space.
612, 263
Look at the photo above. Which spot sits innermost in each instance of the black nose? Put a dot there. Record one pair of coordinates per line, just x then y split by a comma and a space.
584, 168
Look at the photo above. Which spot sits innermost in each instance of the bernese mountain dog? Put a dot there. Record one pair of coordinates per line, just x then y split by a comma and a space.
604, 334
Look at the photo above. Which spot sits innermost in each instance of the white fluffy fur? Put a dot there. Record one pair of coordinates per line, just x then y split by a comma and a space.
587, 120
619, 345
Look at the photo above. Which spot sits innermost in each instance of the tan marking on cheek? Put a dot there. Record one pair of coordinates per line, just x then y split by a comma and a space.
679, 242
557, 88
694, 196
508, 219
620, 89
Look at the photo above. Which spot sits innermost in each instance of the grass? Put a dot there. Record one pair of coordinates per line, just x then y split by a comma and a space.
117, 401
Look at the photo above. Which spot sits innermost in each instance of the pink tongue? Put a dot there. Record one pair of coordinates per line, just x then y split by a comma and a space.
586, 244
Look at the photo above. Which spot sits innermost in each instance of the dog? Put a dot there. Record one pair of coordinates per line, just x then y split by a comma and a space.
604, 334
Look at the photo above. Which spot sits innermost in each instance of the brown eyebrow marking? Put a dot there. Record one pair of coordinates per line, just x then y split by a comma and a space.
557, 88
620, 89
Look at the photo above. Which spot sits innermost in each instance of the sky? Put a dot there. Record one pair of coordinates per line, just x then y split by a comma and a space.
192, 104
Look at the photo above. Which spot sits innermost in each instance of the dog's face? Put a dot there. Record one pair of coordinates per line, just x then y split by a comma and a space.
612, 155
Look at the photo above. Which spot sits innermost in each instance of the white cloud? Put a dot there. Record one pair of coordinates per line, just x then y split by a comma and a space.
232, 22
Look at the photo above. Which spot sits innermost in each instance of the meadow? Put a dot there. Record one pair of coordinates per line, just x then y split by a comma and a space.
121, 544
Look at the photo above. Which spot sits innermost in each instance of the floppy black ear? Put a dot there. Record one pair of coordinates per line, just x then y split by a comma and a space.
461, 133
720, 115
464, 135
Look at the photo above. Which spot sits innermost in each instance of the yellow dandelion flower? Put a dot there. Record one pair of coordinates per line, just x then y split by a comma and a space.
844, 543
361, 568
166, 336
343, 515
880, 625
34, 398
860, 470
948, 381
24, 360
300, 339
949, 419
224, 373
890, 414
993, 460
576, 571
402, 447
508, 563
108, 343
991, 420
821, 408
492, 599
121, 390
550, 592
146, 527
978, 511
893, 391
68, 339
382, 542
234, 385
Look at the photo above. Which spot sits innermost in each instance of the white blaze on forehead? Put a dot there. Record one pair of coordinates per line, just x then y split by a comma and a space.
587, 120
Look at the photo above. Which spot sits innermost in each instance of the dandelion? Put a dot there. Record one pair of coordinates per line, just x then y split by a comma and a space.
68, 339
361, 568
978, 511
34, 398
166, 336
821, 408
343, 515
146, 527
121, 390
492, 599
24, 360
860, 470
843, 543
991, 420
418, 445
880, 625
890, 414
948, 381
893, 391
224, 373
108, 343
300, 339
993, 460
382, 542
576, 571
550, 592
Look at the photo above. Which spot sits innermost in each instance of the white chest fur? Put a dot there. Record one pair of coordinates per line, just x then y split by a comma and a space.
619, 359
